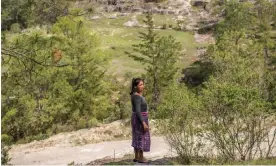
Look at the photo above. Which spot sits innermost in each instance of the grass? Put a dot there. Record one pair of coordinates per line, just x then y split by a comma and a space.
270, 161
116, 39
159, 20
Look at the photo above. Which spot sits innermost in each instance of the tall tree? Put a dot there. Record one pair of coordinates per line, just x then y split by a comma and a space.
159, 55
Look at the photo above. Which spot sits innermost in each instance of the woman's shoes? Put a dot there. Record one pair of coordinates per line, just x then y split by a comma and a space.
143, 161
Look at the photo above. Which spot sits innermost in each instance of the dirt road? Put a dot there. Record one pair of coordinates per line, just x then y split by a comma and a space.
86, 153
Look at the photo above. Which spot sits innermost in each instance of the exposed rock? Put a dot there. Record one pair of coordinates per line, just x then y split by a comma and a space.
185, 12
144, 26
169, 7
171, 12
164, 12
124, 14
113, 16
200, 52
95, 17
136, 9
158, 27
109, 9
132, 23
179, 17
123, 8
204, 38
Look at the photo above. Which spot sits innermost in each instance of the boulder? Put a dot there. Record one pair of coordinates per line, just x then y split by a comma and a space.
113, 16
95, 17
171, 12
164, 12
124, 14
136, 9
132, 23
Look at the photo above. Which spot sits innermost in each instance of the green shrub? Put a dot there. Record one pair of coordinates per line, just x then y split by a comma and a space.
164, 26
93, 122
178, 114
5, 147
15, 28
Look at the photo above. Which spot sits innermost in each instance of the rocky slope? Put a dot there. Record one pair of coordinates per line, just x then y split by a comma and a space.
195, 13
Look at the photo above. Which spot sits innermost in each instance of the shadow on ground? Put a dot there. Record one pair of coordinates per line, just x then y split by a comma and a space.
128, 161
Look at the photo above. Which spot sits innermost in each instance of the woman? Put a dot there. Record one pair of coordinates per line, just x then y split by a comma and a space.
139, 121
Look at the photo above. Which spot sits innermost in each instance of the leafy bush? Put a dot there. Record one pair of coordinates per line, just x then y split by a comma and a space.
164, 26
178, 120
5, 147
15, 28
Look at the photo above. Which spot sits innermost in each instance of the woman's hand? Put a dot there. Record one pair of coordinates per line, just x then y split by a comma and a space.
145, 126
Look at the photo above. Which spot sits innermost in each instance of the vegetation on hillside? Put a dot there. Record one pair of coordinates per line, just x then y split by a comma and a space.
58, 75
230, 115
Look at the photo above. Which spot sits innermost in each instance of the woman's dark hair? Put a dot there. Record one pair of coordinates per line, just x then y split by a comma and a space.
135, 82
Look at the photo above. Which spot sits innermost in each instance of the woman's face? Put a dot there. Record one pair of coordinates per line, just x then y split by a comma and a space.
140, 87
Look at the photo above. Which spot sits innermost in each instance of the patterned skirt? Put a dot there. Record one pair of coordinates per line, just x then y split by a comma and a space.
140, 139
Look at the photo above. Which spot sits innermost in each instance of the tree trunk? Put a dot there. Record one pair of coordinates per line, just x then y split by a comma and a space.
155, 96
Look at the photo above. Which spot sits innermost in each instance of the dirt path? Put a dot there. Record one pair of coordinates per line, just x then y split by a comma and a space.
85, 153
62, 148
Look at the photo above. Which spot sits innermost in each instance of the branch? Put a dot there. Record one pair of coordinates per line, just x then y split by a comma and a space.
12, 52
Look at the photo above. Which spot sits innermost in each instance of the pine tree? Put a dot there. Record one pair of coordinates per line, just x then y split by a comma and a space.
159, 55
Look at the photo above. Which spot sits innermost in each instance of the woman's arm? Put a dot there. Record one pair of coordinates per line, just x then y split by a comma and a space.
137, 107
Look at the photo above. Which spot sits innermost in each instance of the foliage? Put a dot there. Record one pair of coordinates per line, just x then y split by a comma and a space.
180, 23
5, 147
236, 110
38, 94
159, 55
178, 123
15, 28
27, 13
123, 106
236, 100
15, 11
197, 73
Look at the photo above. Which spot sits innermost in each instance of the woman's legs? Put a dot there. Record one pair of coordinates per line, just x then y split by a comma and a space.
141, 157
136, 151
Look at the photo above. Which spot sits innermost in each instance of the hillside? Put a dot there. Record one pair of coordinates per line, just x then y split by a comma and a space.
206, 68
119, 25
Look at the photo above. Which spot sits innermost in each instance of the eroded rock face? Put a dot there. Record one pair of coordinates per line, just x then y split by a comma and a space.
193, 17
173, 7
95, 17
132, 23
